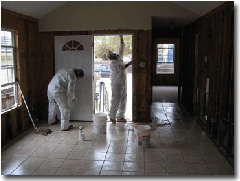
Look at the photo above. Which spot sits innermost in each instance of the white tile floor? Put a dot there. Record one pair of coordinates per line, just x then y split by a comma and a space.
180, 148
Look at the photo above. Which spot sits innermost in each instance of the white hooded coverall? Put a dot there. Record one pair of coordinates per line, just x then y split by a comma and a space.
60, 89
119, 86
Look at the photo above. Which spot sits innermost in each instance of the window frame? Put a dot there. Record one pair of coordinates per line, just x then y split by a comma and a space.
172, 62
14, 68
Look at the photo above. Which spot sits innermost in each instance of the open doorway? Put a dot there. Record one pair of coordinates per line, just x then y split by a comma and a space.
102, 82
165, 94
166, 70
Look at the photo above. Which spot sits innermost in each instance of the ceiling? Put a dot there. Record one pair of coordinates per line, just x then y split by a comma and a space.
35, 9
198, 8
38, 9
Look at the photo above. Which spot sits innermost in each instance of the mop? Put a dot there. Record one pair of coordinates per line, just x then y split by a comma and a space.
42, 131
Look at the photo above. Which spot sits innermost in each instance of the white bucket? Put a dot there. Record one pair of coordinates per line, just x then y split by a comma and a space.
99, 121
142, 135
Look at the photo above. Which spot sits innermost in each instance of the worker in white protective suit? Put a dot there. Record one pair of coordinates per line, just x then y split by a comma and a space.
118, 84
60, 90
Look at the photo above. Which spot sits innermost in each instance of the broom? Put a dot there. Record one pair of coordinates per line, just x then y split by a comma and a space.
42, 131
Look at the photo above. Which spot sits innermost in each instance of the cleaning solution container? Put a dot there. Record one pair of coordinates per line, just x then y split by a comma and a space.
99, 121
142, 135
81, 134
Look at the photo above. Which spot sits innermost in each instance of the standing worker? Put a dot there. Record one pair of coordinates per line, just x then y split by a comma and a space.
118, 84
60, 89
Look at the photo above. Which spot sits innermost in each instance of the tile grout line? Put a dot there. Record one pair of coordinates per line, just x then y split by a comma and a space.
84, 160
51, 152
125, 152
27, 156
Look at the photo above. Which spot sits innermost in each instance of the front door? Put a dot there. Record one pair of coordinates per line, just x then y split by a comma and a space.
77, 52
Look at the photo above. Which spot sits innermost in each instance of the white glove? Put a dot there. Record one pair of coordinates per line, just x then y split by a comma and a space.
74, 99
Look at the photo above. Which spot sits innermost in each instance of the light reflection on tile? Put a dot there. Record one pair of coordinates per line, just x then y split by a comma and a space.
179, 149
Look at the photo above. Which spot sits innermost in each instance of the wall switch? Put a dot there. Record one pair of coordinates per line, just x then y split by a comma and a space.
142, 64
205, 59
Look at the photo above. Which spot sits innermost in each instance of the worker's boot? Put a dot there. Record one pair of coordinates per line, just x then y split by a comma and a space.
122, 120
113, 120
70, 127
56, 121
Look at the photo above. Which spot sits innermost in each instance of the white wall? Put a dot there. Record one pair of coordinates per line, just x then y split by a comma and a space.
110, 15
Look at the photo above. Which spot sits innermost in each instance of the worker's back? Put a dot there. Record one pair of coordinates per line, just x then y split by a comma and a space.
117, 73
117, 69
59, 82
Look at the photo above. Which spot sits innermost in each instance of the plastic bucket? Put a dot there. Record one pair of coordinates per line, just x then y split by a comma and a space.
99, 121
142, 135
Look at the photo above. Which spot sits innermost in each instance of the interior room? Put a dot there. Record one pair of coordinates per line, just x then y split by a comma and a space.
176, 77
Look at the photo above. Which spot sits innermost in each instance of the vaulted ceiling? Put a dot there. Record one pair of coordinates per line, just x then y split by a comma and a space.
35, 9
194, 9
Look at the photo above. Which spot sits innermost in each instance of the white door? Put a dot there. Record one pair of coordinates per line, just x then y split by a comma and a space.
77, 52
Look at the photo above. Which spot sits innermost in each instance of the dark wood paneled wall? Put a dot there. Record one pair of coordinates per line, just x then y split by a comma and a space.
165, 32
187, 68
216, 63
29, 72
142, 76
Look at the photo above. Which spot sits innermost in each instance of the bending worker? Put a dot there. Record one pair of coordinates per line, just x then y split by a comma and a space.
60, 89
118, 84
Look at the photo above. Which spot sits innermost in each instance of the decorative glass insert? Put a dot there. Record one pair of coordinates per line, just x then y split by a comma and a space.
8, 84
72, 46
165, 58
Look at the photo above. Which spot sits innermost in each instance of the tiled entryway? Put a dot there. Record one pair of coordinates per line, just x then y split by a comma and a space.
179, 148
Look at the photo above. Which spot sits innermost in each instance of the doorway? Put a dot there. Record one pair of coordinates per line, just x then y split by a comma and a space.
166, 70
165, 94
102, 82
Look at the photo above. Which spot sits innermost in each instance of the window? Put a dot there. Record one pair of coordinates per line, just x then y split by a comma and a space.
8, 84
72, 46
165, 59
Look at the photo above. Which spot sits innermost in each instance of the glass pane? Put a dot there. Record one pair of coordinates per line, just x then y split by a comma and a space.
165, 68
6, 38
11, 77
170, 52
9, 56
165, 45
4, 77
6, 56
7, 76
8, 97
3, 56
165, 62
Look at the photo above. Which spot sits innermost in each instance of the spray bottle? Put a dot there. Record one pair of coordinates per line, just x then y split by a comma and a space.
81, 134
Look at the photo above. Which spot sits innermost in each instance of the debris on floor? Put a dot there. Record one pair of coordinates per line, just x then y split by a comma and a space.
162, 122
42, 131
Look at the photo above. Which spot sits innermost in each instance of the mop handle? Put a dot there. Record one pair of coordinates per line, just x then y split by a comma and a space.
25, 104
